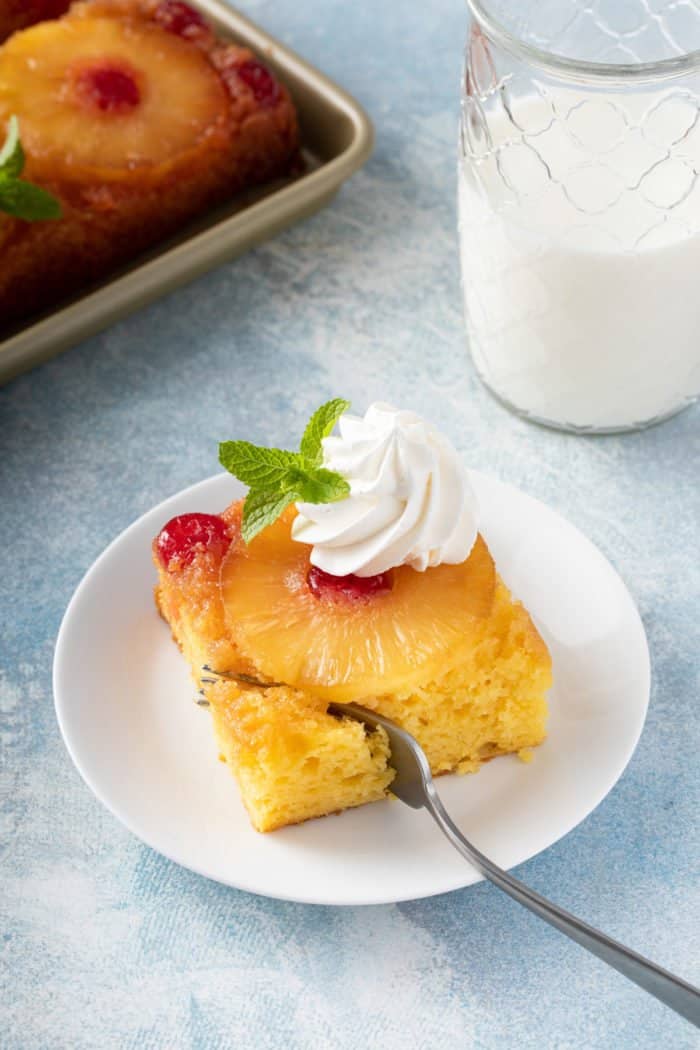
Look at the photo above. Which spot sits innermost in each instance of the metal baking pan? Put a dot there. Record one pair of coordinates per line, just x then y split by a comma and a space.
336, 137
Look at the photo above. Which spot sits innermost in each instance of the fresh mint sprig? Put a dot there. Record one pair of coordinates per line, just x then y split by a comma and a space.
276, 478
319, 426
18, 198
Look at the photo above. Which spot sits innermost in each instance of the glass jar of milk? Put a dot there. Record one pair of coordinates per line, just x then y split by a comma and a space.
579, 205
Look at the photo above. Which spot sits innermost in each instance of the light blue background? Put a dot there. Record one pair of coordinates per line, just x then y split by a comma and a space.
104, 943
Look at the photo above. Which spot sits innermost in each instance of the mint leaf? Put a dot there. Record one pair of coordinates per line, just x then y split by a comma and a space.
12, 154
277, 478
20, 199
24, 200
319, 426
256, 466
262, 509
320, 485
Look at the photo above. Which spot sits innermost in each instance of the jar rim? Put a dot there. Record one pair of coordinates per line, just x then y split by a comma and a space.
580, 69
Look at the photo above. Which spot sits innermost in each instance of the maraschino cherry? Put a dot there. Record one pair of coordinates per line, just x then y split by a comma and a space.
349, 588
185, 534
260, 81
108, 87
178, 18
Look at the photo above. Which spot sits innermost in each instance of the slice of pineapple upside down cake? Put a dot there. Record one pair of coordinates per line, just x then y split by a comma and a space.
337, 579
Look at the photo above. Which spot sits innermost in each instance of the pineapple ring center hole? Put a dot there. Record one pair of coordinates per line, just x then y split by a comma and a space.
107, 86
349, 588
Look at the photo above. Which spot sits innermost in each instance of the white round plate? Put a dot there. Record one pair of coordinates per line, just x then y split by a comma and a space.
125, 705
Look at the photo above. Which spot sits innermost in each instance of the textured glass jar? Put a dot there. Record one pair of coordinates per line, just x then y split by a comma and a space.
579, 205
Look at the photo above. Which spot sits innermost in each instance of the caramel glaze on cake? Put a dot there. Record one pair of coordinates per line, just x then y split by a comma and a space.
466, 702
137, 118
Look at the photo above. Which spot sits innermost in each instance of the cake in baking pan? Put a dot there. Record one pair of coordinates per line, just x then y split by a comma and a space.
136, 118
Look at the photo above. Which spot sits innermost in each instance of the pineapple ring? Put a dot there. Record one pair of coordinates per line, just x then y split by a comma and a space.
345, 650
180, 97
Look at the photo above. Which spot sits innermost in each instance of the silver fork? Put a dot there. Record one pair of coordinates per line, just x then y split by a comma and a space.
414, 785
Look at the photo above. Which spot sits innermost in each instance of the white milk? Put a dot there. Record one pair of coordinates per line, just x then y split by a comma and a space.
580, 248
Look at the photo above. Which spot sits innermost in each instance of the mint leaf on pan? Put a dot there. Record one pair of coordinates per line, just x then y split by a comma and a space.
24, 200
319, 426
12, 154
19, 198
276, 478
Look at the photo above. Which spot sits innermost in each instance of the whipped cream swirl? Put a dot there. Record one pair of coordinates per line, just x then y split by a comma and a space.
410, 499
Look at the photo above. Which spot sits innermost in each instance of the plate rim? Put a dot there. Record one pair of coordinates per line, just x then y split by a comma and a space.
58, 669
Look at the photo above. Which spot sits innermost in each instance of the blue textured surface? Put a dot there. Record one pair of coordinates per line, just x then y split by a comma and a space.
104, 943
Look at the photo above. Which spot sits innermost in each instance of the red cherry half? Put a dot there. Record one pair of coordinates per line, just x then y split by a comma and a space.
109, 88
178, 18
349, 588
186, 534
260, 80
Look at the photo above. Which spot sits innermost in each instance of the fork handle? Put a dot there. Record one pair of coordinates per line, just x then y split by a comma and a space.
673, 991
